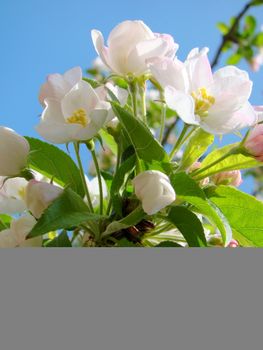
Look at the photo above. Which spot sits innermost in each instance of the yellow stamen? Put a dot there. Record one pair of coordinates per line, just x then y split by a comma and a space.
203, 102
78, 117
22, 192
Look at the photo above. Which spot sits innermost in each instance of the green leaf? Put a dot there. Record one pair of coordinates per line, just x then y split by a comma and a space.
94, 84
109, 140
250, 25
125, 243
61, 240
119, 181
168, 244
132, 219
5, 221
189, 225
233, 162
257, 2
52, 162
234, 59
146, 146
244, 213
187, 190
196, 147
222, 27
68, 210
258, 40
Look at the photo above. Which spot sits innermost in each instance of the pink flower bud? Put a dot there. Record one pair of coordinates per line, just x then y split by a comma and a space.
233, 244
233, 178
254, 142
195, 166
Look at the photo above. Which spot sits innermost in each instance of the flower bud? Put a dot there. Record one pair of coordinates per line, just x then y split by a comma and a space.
195, 166
233, 244
154, 190
254, 142
39, 195
233, 178
14, 150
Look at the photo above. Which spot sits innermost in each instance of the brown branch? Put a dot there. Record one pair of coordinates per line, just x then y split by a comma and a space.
230, 35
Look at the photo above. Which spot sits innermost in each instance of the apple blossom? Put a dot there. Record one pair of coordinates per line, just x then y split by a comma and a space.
77, 117
217, 102
14, 151
130, 44
233, 178
254, 142
104, 92
57, 85
154, 190
233, 244
15, 236
12, 195
39, 195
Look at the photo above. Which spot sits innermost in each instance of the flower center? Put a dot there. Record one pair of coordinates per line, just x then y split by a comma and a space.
203, 102
79, 116
22, 192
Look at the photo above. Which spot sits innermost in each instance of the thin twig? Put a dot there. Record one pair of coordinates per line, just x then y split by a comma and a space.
229, 36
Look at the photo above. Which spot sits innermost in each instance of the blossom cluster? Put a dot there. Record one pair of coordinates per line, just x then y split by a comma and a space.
139, 200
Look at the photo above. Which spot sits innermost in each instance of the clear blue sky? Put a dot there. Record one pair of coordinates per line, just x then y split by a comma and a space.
42, 37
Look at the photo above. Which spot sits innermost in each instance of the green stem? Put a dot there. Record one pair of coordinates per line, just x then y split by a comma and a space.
116, 169
163, 117
95, 160
133, 93
179, 141
82, 174
199, 171
143, 101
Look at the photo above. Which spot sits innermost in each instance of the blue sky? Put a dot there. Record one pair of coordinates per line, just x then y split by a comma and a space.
42, 37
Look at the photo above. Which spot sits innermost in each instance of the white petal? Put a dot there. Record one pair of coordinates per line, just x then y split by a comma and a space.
11, 206
199, 69
169, 72
225, 123
136, 61
129, 33
102, 51
73, 76
182, 103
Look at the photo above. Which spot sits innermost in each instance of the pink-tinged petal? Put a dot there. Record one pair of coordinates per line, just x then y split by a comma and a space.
73, 76
101, 49
172, 47
233, 81
169, 72
58, 85
231, 71
254, 142
199, 69
129, 33
182, 103
136, 61
259, 111
55, 87
122, 40
229, 122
